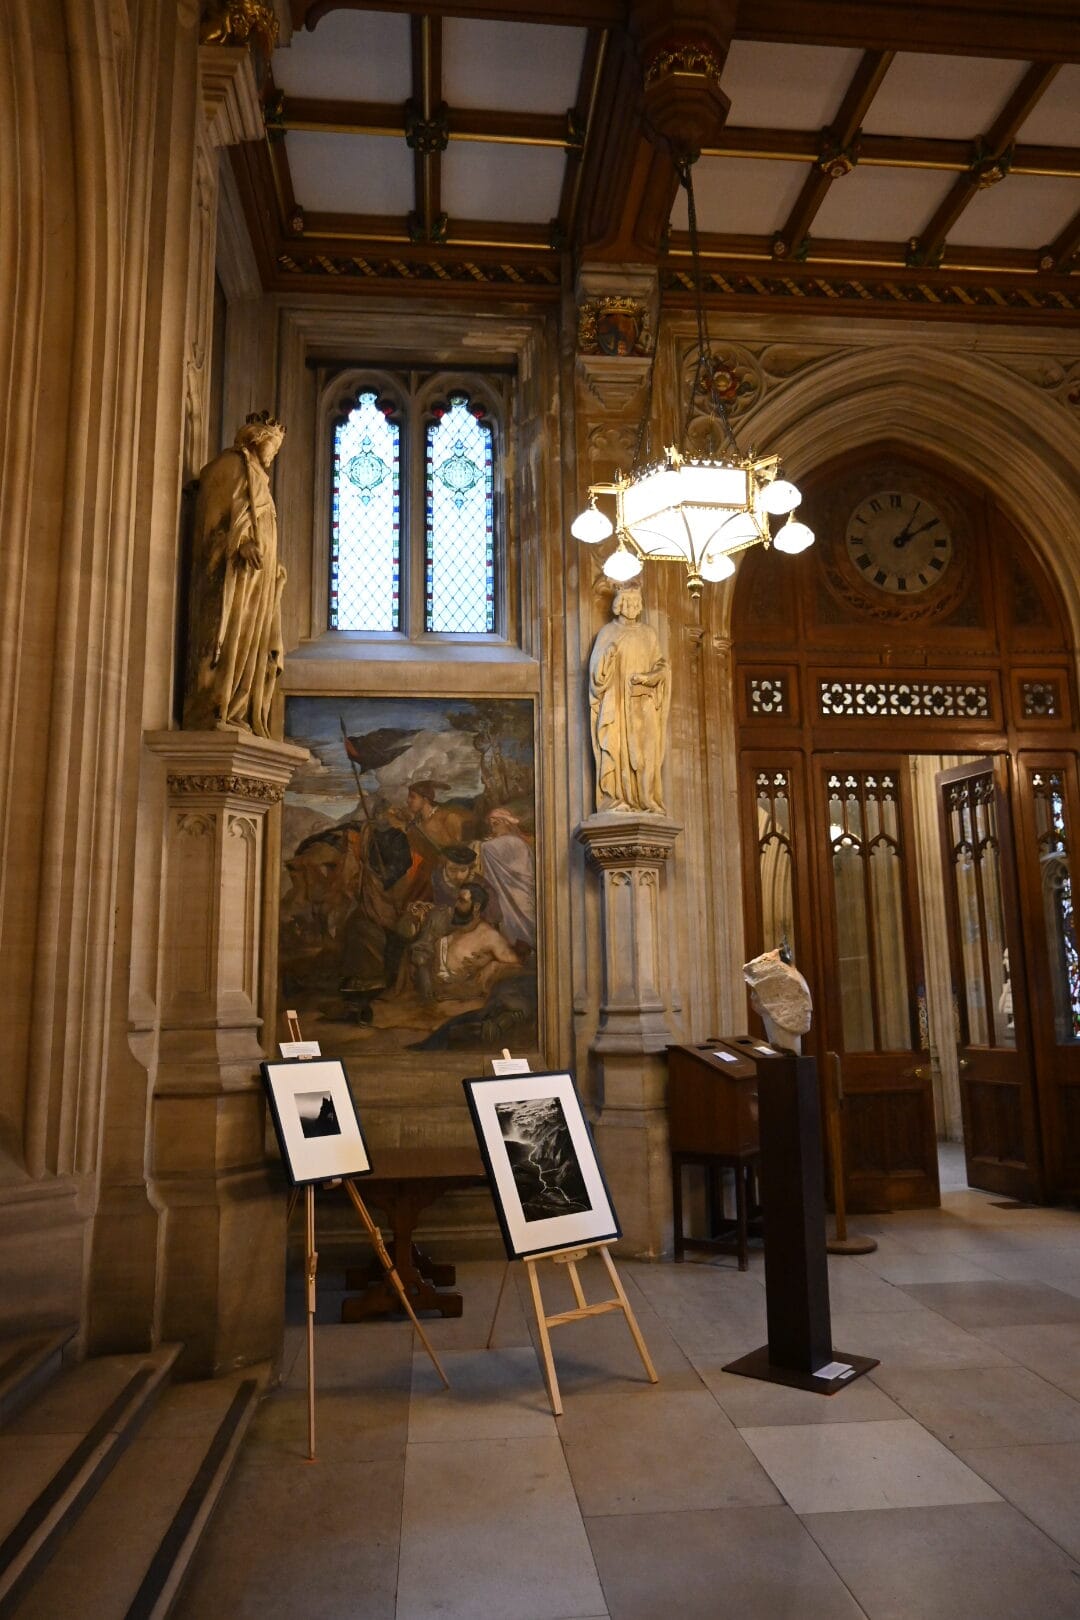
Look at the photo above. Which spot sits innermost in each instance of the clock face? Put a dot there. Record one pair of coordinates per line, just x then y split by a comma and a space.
899, 542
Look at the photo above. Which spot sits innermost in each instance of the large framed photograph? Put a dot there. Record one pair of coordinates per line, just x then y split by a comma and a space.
318, 1128
546, 1181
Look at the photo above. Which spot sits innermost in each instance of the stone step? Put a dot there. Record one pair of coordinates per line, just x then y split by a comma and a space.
126, 1557
55, 1454
27, 1364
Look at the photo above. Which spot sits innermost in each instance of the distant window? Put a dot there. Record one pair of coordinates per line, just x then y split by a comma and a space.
414, 510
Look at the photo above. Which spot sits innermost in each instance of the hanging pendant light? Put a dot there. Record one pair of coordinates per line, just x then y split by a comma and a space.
697, 510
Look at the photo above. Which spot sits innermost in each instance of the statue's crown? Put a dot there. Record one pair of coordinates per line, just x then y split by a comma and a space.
262, 419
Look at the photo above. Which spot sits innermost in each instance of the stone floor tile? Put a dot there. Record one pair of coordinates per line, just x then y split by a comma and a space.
1042, 1481
657, 1452
996, 1304
492, 1528
949, 1563
303, 1539
934, 1268
1050, 1349
845, 1467
915, 1338
983, 1406
853, 1287
493, 1395
754, 1563
478, 1281
349, 1427
751, 1402
360, 1356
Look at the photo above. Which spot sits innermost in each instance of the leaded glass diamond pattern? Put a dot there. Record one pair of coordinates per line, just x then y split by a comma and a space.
365, 522
459, 575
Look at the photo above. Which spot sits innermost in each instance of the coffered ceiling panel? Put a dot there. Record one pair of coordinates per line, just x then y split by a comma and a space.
786, 86
359, 174
351, 56
869, 154
1056, 119
881, 205
1024, 211
523, 66
741, 195
481, 180
947, 97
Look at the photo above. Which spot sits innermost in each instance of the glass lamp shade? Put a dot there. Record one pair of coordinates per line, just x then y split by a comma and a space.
717, 566
678, 511
779, 497
793, 537
622, 564
591, 525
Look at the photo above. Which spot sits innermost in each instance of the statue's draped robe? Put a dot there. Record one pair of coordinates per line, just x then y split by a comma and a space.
629, 720
234, 631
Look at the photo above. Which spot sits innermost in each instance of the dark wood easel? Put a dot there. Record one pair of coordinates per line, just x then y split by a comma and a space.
311, 1264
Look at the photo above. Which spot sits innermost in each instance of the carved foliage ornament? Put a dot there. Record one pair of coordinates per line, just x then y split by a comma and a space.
627, 854
240, 787
239, 22
688, 58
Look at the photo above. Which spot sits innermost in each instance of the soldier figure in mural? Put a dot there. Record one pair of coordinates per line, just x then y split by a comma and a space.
629, 699
235, 652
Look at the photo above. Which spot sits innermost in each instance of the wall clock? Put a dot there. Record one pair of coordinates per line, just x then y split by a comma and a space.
899, 542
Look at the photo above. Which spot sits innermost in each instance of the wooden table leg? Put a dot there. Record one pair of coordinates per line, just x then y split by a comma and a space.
676, 1205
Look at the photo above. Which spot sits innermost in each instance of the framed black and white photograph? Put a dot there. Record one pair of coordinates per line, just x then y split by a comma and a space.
546, 1181
318, 1128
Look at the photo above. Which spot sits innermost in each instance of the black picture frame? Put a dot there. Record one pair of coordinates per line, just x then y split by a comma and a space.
321, 1145
548, 1106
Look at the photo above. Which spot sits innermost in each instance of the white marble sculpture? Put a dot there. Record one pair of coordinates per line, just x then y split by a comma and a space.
629, 699
235, 649
781, 997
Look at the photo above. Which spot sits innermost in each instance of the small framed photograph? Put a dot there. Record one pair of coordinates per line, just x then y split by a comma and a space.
546, 1181
318, 1128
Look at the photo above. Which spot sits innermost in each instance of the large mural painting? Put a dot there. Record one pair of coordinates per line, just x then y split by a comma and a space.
408, 896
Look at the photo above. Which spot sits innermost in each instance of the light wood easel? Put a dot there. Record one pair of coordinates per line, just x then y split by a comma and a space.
570, 1258
311, 1264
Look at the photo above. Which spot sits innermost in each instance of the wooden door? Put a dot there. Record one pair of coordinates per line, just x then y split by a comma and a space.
872, 979
1047, 831
986, 943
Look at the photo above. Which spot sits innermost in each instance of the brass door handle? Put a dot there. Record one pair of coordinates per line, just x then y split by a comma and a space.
920, 1072
963, 1064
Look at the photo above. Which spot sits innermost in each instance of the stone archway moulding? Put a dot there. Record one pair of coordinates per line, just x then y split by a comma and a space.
1022, 447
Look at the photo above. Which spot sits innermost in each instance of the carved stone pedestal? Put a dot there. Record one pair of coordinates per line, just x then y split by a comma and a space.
630, 852
220, 1286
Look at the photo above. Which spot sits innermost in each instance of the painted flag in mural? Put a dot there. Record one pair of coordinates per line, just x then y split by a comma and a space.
374, 749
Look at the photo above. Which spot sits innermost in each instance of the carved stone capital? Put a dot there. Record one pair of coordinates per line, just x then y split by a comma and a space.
614, 381
226, 764
617, 839
232, 786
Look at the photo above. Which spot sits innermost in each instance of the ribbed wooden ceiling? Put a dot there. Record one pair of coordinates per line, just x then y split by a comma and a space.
866, 145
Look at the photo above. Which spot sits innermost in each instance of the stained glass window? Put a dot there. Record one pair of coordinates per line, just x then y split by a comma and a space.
365, 520
459, 553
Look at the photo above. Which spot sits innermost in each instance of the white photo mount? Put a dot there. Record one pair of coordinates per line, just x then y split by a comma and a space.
315, 1119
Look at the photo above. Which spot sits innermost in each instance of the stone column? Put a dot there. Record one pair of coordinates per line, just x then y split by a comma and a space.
630, 851
221, 1260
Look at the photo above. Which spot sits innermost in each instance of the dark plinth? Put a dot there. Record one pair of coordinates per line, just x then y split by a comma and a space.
793, 1198
405, 1182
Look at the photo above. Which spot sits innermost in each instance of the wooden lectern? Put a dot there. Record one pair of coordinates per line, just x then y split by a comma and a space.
712, 1121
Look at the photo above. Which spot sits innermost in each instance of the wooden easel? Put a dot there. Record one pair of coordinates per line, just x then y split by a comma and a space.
570, 1258
311, 1264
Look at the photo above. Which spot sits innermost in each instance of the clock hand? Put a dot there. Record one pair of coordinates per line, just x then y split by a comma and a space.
908, 534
